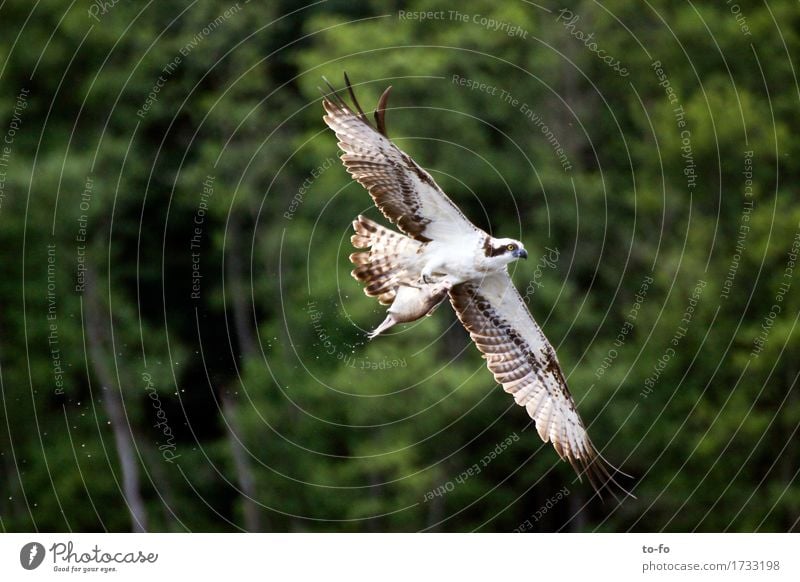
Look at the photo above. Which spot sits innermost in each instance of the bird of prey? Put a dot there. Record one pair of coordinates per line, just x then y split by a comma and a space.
441, 249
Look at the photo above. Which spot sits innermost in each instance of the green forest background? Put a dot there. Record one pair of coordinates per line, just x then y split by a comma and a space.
182, 346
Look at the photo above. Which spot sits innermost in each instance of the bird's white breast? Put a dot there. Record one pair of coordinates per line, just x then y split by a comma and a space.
461, 259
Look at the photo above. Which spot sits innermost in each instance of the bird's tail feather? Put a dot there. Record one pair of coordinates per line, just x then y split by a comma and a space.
388, 263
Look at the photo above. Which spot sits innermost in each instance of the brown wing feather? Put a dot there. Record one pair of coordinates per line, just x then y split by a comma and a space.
405, 193
525, 364
389, 261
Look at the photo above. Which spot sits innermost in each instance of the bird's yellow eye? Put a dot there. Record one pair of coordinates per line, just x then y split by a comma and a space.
511, 247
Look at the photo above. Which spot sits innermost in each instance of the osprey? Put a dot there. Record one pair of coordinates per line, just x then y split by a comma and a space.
440, 252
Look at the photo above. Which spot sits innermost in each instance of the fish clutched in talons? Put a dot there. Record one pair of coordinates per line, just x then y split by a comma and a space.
412, 302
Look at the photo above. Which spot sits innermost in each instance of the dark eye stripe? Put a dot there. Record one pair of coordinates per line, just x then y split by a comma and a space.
491, 251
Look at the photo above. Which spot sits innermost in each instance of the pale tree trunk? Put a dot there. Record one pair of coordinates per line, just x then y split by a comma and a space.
247, 348
164, 489
98, 339
242, 319
241, 464
435, 513
436, 506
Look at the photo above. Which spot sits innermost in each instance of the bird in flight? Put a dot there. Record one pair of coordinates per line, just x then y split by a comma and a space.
441, 252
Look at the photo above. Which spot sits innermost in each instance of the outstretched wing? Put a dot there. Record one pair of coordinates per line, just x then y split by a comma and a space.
404, 192
525, 364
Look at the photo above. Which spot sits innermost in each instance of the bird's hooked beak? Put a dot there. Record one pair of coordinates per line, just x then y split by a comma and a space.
520, 254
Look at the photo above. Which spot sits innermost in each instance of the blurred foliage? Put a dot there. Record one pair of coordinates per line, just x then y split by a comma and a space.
338, 434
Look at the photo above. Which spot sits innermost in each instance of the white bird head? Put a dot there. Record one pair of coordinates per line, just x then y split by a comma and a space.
504, 250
